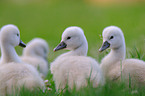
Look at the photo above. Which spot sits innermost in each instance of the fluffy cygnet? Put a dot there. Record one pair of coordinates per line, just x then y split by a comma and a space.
74, 67
14, 74
36, 54
114, 65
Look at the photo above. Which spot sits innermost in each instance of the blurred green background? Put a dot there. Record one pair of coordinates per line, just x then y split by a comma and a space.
47, 19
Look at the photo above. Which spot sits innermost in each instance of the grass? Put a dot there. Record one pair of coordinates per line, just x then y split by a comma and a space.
48, 19
109, 89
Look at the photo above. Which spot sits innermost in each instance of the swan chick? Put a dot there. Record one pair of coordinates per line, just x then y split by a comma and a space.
36, 54
73, 68
13, 72
114, 65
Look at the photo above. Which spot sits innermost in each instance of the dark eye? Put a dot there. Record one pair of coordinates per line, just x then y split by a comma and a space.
17, 34
111, 37
68, 37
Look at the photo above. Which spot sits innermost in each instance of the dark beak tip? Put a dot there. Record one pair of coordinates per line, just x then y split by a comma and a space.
22, 44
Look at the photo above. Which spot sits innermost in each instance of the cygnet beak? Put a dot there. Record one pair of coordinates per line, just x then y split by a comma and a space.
22, 44
61, 45
104, 46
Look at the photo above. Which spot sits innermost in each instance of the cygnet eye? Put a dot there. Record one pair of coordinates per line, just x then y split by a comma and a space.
17, 34
111, 37
68, 38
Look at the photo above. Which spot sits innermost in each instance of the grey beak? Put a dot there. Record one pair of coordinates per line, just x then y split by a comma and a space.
22, 44
104, 46
61, 45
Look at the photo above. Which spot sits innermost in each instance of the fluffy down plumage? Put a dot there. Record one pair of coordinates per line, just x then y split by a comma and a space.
75, 70
15, 76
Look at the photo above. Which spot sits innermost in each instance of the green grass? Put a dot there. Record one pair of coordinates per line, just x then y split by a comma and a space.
48, 19
109, 89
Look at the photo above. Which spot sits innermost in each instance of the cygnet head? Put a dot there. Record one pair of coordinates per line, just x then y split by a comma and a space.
10, 35
72, 39
113, 38
37, 47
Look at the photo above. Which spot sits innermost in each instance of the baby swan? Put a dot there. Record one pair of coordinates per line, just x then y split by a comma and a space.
36, 54
74, 67
114, 65
14, 74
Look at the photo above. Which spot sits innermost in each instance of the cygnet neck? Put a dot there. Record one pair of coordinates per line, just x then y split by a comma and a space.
9, 54
118, 53
115, 55
82, 50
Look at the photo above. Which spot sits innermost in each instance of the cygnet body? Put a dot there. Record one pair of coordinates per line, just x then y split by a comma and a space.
36, 54
114, 65
74, 67
13, 72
